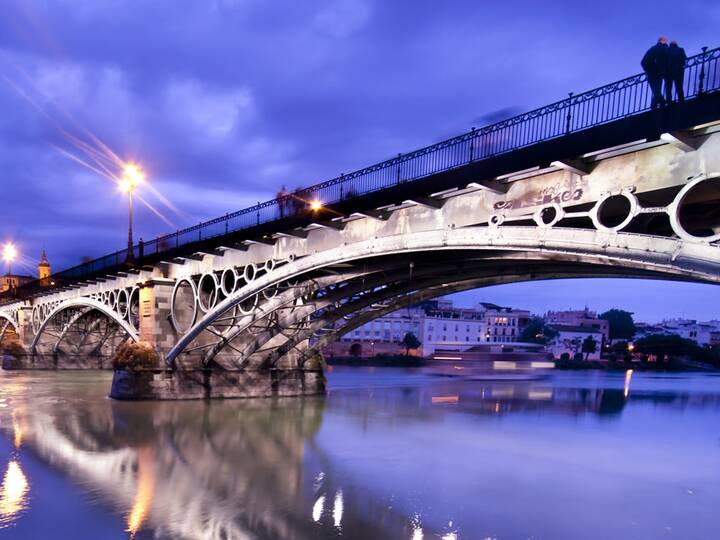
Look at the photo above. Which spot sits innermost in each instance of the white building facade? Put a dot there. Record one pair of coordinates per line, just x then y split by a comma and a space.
439, 325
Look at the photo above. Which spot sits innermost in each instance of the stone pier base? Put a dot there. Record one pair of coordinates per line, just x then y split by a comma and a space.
59, 362
207, 384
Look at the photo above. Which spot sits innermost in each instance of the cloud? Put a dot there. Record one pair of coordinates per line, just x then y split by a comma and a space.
210, 113
342, 18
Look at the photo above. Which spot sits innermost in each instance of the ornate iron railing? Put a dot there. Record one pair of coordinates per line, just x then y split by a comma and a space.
614, 101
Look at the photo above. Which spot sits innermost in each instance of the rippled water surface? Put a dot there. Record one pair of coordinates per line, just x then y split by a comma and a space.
388, 454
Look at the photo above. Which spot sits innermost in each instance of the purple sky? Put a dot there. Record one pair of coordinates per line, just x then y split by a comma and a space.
223, 101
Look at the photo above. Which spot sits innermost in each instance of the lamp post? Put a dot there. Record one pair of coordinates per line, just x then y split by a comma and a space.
9, 252
133, 176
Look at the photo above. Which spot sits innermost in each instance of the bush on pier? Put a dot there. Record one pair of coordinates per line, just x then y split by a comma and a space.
138, 356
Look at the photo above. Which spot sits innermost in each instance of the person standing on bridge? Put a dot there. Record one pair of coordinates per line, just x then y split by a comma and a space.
655, 66
676, 72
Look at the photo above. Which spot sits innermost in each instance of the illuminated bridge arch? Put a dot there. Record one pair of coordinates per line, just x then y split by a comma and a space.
8, 325
84, 321
352, 277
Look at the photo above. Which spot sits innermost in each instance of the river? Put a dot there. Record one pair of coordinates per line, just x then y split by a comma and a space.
389, 453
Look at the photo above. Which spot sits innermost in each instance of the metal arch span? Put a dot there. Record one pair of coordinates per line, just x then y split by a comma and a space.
82, 303
10, 320
395, 299
676, 259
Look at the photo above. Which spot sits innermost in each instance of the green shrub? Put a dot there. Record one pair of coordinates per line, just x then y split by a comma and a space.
138, 356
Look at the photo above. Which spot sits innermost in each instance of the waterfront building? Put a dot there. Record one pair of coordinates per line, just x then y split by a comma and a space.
583, 318
13, 281
438, 325
698, 331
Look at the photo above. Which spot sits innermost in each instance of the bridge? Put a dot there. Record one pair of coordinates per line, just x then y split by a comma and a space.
594, 185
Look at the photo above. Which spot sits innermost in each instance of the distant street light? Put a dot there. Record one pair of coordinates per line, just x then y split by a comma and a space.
315, 205
133, 176
9, 253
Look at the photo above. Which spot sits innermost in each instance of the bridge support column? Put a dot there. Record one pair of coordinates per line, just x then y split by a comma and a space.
216, 383
189, 380
17, 356
155, 327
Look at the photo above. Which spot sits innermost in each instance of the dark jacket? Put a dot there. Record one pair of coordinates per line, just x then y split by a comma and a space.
655, 61
676, 61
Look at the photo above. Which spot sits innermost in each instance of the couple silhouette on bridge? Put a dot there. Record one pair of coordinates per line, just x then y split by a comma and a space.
663, 62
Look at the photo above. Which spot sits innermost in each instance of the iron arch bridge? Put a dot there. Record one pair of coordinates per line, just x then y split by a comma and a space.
257, 309
275, 305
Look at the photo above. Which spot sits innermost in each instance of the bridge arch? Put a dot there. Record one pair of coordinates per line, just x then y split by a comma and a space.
607, 253
82, 306
7, 322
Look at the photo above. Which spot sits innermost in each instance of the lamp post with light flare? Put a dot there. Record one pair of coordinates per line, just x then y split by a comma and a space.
9, 252
133, 176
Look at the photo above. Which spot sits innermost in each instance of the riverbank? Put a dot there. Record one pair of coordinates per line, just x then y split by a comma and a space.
672, 365
377, 361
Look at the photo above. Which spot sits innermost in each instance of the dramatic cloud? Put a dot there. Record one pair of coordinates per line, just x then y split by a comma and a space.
224, 101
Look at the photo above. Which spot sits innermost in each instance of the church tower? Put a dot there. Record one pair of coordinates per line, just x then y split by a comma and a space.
44, 270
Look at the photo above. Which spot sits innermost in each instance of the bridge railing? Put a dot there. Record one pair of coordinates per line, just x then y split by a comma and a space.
611, 102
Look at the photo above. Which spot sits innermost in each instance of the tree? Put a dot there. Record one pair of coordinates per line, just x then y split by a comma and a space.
537, 332
589, 346
356, 350
621, 322
410, 341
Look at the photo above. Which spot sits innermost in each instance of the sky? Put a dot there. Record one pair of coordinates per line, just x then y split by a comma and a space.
224, 101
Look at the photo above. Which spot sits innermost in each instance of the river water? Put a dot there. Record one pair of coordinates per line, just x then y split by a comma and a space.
388, 453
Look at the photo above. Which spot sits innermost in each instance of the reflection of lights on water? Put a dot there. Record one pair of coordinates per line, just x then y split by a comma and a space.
338, 509
628, 377
13, 492
452, 535
417, 533
145, 489
445, 399
318, 507
542, 394
17, 432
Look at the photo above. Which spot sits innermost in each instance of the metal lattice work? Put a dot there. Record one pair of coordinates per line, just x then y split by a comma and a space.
86, 326
319, 297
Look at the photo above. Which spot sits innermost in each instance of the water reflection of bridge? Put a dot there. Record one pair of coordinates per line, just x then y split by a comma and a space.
256, 469
191, 470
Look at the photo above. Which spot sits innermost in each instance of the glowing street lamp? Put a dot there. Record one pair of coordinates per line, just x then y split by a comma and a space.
9, 253
315, 205
133, 176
